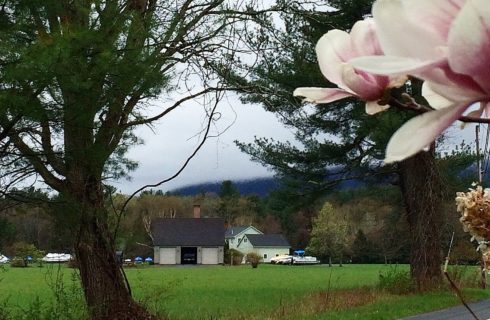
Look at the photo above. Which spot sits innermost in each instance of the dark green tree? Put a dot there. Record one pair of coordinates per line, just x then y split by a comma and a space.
228, 201
228, 190
76, 78
7, 233
338, 141
363, 250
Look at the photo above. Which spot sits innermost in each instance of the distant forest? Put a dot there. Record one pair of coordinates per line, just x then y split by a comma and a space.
261, 187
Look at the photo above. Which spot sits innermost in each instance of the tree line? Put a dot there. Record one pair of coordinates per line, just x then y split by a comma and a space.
361, 225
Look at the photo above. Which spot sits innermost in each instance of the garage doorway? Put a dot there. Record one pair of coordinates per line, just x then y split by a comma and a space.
188, 255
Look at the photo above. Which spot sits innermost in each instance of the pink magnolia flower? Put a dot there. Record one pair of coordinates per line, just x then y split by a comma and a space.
334, 50
445, 43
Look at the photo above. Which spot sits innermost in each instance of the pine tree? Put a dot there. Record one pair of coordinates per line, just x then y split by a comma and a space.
336, 142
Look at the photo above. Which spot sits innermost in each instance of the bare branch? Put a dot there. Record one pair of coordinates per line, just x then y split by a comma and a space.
206, 134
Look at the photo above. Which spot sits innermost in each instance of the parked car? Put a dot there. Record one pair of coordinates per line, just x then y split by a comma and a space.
4, 259
282, 259
57, 257
189, 257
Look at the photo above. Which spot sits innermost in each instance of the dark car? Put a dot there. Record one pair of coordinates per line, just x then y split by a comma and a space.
189, 258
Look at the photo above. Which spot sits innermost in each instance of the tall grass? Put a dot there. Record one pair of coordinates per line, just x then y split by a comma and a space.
40, 294
217, 292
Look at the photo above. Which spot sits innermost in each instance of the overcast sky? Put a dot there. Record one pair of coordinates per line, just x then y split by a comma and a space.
174, 138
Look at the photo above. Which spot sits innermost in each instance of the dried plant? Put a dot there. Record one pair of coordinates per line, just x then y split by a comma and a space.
474, 207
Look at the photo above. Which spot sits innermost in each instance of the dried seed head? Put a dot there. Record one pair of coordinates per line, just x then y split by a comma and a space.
474, 207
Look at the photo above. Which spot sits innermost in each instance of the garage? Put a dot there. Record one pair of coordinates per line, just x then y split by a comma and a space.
190, 241
209, 255
167, 256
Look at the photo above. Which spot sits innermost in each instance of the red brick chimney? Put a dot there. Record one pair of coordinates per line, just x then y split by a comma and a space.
197, 211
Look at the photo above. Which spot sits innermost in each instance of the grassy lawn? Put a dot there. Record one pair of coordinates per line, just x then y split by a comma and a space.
218, 292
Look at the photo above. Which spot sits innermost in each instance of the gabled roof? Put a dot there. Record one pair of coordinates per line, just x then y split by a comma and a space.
268, 240
188, 231
234, 231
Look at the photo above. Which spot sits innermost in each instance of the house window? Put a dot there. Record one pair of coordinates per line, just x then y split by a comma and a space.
265, 255
245, 239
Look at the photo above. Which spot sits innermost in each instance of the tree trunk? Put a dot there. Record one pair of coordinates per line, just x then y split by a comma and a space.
421, 190
106, 293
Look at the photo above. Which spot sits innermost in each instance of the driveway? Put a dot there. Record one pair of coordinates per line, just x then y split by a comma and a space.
481, 309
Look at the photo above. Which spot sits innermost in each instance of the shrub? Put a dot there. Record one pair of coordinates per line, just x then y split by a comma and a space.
253, 259
395, 281
4, 313
22, 250
234, 257
464, 276
465, 253
68, 302
18, 263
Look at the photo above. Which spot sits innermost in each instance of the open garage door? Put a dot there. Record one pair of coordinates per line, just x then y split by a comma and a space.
167, 256
188, 255
209, 255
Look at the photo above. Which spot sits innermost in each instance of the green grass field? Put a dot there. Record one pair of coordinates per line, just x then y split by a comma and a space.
217, 292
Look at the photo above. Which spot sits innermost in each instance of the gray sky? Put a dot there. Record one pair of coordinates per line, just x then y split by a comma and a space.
175, 137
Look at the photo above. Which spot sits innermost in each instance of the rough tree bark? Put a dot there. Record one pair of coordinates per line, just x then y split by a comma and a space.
421, 185
105, 289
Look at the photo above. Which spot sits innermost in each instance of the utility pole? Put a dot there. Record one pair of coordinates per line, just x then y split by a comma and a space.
478, 159
483, 269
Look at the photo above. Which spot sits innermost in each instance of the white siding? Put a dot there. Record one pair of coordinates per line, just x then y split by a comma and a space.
168, 256
210, 255
239, 236
245, 246
270, 252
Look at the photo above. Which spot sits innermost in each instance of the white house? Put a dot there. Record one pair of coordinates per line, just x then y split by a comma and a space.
234, 235
265, 245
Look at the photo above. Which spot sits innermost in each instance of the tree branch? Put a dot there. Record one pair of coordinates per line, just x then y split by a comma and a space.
36, 162
419, 108
187, 161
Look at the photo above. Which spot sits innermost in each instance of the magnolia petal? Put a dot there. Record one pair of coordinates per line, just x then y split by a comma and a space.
454, 86
420, 132
372, 107
475, 113
434, 15
435, 100
392, 65
366, 86
321, 95
364, 39
401, 33
460, 89
486, 108
332, 50
469, 42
